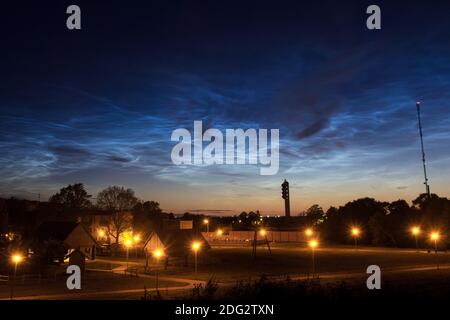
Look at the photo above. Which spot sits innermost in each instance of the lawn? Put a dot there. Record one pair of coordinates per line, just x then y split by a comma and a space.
92, 282
236, 263
227, 264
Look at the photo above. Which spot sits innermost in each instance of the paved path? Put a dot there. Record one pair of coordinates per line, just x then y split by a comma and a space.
188, 284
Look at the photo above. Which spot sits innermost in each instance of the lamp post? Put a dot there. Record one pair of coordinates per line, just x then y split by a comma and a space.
136, 240
206, 223
355, 234
128, 244
313, 244
263, 232
16, 259
157, 254
434, 236
101, 234
196, 247
309, 232
219, 233
416, 231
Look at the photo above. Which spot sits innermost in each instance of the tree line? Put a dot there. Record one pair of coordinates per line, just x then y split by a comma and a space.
123, 210
381, 223
388, 223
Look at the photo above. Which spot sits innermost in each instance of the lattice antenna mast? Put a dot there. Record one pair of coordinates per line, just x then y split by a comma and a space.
427, 187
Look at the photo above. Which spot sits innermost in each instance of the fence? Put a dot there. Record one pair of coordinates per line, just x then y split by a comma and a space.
30, 278
247, 236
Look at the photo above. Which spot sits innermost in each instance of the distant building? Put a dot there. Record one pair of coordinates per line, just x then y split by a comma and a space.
78, 258
285, 196
174, 243
74, 236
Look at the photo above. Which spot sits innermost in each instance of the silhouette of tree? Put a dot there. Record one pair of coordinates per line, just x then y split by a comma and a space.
120, 202
434, 211
148, 214
354, 213
314, 215
72, 197
3, 216
382, 231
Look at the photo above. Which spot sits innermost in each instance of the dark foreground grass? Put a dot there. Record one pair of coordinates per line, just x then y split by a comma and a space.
423, 286
93, 282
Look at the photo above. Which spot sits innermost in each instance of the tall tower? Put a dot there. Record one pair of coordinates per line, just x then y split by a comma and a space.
285, 196
424, 163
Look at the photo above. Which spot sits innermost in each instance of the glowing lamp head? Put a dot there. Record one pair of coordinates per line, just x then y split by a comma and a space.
101, 233
196, 246
262, 232
205, 221
128, 243
137, 238
16, 258
158, 253
415, 230
219, 232
434, 236
313, 244
355, 232
309, 232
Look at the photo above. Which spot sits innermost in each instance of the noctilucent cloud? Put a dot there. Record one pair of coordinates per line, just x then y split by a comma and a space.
98, 105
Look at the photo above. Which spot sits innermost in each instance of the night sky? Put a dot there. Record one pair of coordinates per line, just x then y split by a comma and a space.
98, 105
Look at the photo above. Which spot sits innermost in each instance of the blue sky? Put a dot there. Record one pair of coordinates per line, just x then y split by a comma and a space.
98, 105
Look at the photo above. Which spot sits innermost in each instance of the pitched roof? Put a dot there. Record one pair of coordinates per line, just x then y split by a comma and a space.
56, 230
178, 240
59, 230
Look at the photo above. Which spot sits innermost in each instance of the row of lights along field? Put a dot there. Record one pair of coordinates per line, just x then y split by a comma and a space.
313, 243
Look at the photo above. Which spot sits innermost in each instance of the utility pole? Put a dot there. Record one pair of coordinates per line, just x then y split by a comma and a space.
427, 187
285, 196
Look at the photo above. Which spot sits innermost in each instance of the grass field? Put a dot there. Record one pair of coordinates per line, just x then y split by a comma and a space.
235, 263
401, 268
92, 282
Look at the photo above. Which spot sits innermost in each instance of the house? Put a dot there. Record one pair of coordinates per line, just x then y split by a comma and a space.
174, 242
72, 235
78, 258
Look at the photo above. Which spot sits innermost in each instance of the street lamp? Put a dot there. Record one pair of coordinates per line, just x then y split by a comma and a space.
219, 232
415, 232
309, 232
206, 223
157, 254
355, 234
16, 259
434, 236
128, 244
263, 232
136, 239
196, 247
313, 245
101, 233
